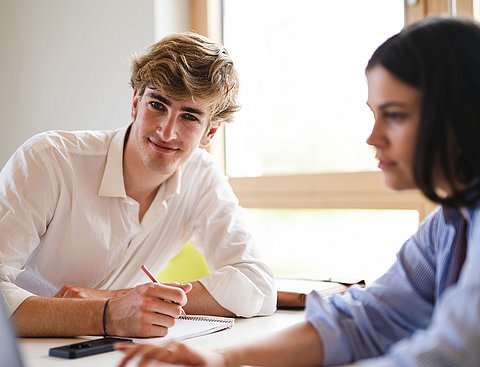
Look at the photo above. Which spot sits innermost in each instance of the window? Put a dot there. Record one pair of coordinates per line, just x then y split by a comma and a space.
340, 244
300, 135
303, 88
296, 155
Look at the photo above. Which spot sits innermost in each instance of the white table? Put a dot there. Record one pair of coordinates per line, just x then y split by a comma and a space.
35, 350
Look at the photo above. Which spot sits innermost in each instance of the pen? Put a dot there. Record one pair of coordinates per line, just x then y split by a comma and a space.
154, 280
146, 271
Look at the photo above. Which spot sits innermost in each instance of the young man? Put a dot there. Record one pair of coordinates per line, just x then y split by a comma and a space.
82, 211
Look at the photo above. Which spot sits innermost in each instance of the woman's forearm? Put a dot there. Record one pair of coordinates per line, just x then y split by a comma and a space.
299, 345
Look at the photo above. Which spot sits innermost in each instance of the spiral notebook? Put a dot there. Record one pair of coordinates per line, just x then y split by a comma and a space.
191, 326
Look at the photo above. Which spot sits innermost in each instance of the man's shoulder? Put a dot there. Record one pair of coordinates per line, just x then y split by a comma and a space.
70, 141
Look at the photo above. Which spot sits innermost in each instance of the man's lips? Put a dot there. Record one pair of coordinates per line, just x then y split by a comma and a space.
162, 147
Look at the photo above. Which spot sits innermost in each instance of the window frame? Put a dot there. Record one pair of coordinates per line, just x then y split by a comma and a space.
349, 190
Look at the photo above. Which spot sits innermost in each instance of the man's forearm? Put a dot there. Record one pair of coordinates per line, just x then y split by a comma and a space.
200, 302
75, 291
42, 316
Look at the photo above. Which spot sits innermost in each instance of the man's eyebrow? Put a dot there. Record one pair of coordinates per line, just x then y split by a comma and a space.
195, 111
169, 103
159, 97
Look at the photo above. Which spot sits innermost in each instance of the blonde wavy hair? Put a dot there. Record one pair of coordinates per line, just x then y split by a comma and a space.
188, 65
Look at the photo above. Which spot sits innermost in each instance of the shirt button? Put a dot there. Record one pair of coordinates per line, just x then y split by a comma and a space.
133, 218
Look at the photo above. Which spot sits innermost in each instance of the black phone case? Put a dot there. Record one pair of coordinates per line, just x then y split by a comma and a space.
86, 348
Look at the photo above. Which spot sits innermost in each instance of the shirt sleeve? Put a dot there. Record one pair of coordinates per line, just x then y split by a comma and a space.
239, 280
398, 321
24, 211
453, 336
365, 323
452, 339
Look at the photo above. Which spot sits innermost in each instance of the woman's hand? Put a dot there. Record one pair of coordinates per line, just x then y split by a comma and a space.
173, 353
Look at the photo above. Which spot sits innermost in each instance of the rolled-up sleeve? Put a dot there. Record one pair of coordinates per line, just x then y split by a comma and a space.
239, 293
239, 280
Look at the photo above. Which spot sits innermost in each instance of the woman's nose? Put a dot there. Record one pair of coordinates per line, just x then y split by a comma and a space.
375, 137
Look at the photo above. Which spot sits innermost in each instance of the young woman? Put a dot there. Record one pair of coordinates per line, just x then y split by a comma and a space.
424, 92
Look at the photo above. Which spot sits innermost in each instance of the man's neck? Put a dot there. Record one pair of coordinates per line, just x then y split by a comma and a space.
141, 183
142, 188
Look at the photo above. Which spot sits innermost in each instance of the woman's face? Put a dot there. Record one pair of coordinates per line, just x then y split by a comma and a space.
396, 110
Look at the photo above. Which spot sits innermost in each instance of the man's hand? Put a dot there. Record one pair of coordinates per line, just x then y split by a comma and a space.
147, 310
144, 311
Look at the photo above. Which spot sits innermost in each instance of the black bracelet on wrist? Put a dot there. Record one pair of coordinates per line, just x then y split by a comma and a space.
104, 317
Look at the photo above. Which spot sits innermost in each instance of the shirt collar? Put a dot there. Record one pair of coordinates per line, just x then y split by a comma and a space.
173, 185
112, 181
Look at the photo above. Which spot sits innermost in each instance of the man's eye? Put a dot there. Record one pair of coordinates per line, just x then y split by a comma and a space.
189, 117
157, 105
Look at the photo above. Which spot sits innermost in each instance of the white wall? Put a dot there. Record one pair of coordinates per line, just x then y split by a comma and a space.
171, 16
65, 63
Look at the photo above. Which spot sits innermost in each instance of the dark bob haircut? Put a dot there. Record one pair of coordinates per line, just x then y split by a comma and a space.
441, 58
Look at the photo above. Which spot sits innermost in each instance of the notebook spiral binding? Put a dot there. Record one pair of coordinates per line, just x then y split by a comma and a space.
206, 318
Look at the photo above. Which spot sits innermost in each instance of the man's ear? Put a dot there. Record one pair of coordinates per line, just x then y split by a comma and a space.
209, 134
136, 98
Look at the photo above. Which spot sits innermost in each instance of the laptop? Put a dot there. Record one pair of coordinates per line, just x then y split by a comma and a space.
9, 355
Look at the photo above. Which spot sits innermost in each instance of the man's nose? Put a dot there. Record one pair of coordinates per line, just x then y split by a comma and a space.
167, 129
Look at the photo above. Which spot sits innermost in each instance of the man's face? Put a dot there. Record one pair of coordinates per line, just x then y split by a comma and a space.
165, 133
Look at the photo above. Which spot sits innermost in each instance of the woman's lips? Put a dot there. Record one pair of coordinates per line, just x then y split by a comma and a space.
385, 165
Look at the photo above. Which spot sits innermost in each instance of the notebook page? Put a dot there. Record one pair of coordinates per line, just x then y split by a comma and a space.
191, 326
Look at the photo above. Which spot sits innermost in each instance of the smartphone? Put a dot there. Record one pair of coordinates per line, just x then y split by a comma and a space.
86, 348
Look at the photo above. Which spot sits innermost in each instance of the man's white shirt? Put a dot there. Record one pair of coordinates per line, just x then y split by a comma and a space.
65, 218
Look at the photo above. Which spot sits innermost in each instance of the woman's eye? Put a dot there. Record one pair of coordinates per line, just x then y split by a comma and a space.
394, 116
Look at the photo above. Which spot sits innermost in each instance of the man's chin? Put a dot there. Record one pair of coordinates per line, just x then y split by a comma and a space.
166, 169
